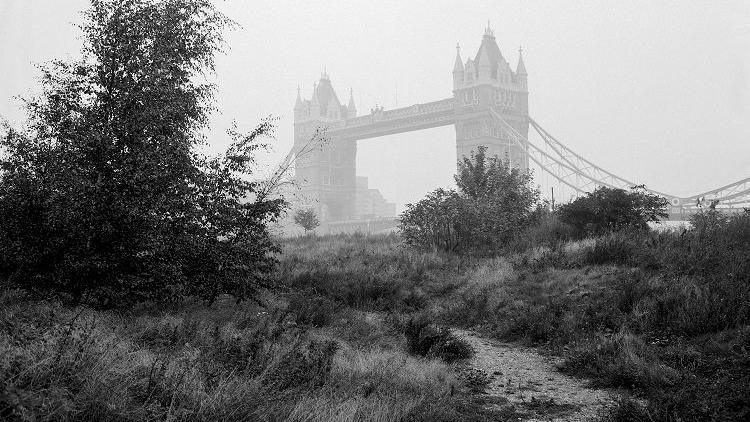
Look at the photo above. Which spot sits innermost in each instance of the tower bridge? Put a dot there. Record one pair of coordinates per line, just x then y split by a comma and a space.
489, 107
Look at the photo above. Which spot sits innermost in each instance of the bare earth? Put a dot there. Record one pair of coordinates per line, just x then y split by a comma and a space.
531, 383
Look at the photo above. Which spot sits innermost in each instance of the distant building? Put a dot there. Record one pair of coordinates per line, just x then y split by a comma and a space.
370, 203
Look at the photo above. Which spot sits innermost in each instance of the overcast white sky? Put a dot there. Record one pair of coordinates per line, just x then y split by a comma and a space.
655, 91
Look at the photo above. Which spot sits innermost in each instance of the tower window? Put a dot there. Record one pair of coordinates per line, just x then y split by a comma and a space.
505, 98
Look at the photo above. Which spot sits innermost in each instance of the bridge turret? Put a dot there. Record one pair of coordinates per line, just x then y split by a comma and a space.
521, 75
299, 107
314, 103
351, 109
523, 84
458, 69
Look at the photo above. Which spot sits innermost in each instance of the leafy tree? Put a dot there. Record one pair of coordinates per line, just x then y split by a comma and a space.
435, 221
610, 209
500, 200
306, 219
103, 197
493, 203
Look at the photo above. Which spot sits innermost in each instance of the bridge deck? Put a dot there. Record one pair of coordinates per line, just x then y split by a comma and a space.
389, 122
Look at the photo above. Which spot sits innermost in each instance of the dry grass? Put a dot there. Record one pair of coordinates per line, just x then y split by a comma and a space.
377, 386
670, 329
227, 362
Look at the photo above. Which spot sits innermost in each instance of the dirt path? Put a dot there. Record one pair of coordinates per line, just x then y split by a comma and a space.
531, 383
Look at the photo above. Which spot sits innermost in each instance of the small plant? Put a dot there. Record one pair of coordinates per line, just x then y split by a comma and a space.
612, 249
426, 339
312, 309
304, 366
306, 219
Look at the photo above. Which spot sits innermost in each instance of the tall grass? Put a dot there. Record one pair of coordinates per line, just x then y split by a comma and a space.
225, 362
665, 314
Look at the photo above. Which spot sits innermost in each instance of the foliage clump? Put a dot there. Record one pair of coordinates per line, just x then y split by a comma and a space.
103, 197
307, 219
425, 339
493, 203
611, 209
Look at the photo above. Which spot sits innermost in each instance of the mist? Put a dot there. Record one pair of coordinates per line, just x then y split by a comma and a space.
655, 92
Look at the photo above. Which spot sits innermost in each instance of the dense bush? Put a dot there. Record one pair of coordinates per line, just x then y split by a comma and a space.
611, 209
103, 197
425, 339
614, 248
304, 366
717, 245
493, 203
546, 230
312, 309
306, 219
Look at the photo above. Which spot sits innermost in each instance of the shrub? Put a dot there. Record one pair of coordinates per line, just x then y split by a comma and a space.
615, 249
547, 230
716, 245
626, 409
435, 222
355, 288
312, 309
426, 339
493, 203
304, 366
306, 219
611, 209
622, 360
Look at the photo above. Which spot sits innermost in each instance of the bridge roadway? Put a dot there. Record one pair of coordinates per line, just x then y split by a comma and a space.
388, 122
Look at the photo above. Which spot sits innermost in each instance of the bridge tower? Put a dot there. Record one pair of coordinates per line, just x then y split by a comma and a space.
327, 175
487, 82
481, 85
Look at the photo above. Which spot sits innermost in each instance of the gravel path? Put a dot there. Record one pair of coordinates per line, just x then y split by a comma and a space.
531, 383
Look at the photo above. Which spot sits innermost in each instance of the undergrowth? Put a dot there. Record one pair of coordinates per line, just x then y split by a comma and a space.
359, 331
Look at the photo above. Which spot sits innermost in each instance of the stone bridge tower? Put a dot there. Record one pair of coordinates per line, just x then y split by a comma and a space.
328, 174
487, 82
482, 86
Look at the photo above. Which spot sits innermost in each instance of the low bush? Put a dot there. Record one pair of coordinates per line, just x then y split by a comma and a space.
627, 409
610, 209
303, 367
546, 231
426, 339
613, 249
620, 360
312, 309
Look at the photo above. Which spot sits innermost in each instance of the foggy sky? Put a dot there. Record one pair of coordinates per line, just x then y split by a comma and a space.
656, 92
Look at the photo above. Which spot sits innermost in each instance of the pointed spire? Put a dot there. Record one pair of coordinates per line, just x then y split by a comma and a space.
521, 68
315, 100
298, 103
488, 32
351, 105
458, 66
